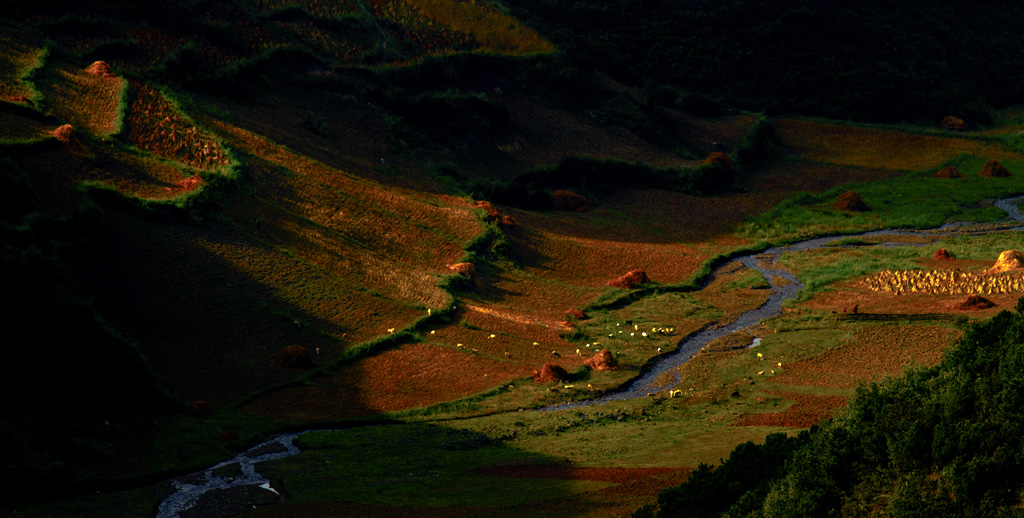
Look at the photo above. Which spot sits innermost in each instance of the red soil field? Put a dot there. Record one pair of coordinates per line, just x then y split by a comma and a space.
414, 375
807, 410
787, 177
561, 471
877, 352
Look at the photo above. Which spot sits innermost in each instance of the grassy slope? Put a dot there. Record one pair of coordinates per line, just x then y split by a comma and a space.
347, 249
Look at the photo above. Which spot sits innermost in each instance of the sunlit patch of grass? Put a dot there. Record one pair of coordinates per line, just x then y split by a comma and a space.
914, 201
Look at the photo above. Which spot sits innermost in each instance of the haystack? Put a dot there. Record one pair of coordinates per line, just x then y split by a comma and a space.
952, 123
506, 221
201, 409
630, 280
564, 199
550, 372
190, 183
488, 209
294, 357
942, 255
719, 159
64, 133
850, 201
948, 172
466, 270
1008, 260
602, 361
576, 313
993, 169
100, 69
974, 302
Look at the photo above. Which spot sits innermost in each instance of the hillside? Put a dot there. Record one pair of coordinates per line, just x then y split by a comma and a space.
228, 219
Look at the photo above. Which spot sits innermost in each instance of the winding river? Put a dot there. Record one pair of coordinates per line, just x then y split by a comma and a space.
241, 470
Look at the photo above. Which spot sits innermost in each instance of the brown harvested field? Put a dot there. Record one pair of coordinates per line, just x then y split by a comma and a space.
592, 263
17, 56
89, 103
877, 352
879, 148
567, 472
796, 176
134, 175
701, 134
15, 126
492, 28
634, 488
807, 410
412, 376
387, 238
545, 134
156, 125
845, 295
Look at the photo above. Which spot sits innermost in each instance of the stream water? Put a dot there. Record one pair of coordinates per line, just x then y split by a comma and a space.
227, 475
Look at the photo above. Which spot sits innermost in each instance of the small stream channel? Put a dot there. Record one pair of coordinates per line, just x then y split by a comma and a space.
241, 471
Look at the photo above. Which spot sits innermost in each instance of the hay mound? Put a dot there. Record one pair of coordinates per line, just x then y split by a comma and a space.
466, 270
631, 280
550, 372
64, 133
942, 255
569, 201
602, 361
719, 159
100, 69
975, 302
948, 172
1008, 260
993, 169
294, 357
850, 201
488, 209
190, 183
506, 221
952, 123
577, 314
202, 409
